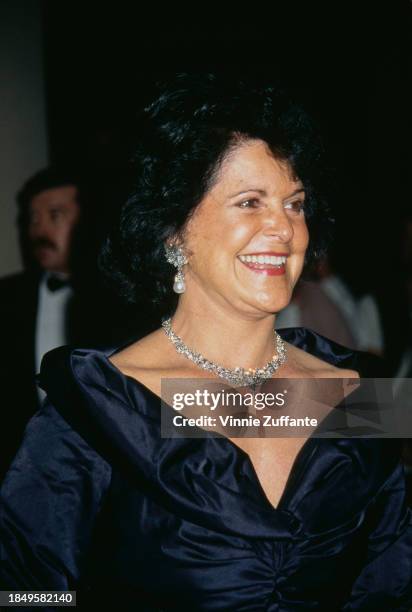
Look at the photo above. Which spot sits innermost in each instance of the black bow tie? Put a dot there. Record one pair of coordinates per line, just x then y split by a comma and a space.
54, 283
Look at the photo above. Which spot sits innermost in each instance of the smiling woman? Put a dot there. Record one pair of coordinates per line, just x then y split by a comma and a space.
227, 209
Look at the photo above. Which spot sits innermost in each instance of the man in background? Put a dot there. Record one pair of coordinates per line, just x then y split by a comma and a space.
56, 300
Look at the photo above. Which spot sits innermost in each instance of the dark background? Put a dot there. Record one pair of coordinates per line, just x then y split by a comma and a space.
350, 62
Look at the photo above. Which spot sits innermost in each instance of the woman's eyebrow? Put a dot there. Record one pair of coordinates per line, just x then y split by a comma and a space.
263, 192
298, 190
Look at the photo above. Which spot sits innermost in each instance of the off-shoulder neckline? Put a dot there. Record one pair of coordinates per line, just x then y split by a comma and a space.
304, 456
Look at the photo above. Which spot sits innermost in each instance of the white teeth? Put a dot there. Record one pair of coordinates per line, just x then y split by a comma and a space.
273, 260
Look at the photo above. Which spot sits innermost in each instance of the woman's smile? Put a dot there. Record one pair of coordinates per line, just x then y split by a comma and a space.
269, 263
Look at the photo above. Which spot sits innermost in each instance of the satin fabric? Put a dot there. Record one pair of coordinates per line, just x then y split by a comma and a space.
97, 501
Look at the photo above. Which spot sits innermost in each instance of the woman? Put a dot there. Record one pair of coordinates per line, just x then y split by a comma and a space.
228, 192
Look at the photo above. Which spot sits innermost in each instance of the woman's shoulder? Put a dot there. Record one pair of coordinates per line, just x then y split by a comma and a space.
311, 355
143, 353
98, 409
307, 365
323, 357
147, 360
65, 365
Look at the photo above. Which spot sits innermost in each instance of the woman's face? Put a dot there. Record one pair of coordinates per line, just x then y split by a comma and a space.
246, 240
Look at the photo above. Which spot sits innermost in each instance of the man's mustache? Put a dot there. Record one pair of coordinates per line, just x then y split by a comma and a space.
43, 242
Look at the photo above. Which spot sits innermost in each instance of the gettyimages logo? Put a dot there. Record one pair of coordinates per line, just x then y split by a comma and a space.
224, 398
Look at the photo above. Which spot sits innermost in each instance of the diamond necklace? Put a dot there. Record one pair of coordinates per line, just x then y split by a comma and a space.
237, 376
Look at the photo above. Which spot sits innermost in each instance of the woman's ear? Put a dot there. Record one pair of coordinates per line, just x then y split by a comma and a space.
175, 242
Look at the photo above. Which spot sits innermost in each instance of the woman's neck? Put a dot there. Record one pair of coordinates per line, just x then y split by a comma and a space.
227, 337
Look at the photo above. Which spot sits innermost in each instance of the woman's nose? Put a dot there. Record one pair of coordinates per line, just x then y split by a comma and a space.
278, 224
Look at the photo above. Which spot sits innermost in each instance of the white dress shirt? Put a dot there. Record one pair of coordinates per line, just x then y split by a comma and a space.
51, 321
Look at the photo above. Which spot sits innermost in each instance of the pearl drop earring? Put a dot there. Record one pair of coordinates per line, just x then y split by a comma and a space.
176, 257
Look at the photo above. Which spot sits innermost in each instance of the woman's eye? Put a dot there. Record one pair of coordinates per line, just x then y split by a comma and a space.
252, 203
297, 206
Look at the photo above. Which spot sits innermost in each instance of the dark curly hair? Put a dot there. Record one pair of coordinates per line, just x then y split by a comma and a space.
184, 136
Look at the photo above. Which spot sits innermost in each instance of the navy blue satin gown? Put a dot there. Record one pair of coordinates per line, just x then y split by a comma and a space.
97, 501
